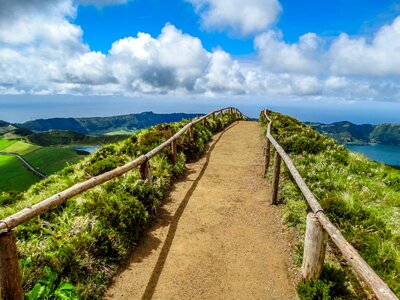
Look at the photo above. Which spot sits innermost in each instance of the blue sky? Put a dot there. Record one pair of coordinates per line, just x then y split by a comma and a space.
326, 18
327, 56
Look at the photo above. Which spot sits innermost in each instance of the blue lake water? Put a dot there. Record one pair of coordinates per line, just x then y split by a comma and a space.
382, 153
89, 149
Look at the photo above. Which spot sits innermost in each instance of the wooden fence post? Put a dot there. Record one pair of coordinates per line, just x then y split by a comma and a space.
10, 276
174, 152
203, 122
275, 179
314, 248
267, 156
213, 116
145, 171
191, 133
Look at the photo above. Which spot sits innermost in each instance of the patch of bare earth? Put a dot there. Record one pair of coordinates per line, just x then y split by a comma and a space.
216, 236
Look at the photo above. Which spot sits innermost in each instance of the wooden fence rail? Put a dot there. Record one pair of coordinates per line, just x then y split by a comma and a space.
10, 278
318, 226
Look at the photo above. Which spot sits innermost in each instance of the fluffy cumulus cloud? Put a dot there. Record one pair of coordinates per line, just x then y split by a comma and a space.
244, 17
43, 52
358, 56
278, 56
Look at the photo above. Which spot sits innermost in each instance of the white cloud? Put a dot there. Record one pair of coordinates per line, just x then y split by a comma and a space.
42, 52
358, 56
245, 17
278, 56
171, 61
223, 75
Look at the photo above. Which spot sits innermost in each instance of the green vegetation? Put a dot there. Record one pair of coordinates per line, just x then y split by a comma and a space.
121, 132
50, 159
361, 197
86, 239
20, 148
349, 133
102, 125
14, 176
5, 143
64, 137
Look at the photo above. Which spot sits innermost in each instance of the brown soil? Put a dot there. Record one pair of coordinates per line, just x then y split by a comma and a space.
216, 236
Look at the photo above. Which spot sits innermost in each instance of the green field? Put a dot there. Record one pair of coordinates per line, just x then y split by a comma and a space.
52, 159
121, 132
5, 143
14, 176
19, 147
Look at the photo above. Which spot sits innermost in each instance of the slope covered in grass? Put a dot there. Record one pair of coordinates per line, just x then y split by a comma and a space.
361, 197
51, 159
14, 176
85, 240
20, 147
4, 143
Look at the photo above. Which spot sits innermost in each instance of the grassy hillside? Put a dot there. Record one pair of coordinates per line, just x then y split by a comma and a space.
361, 197
50, 159
65, 137
5, 143
20, 147
349, 133
102, 125
85, 240
14, 176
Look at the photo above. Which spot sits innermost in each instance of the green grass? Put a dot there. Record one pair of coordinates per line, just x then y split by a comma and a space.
361, 197
20, 147
121, 132
85, 240
52, 159
4, 143
14, 176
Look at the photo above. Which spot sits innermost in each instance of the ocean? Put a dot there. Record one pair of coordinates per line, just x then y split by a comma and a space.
381, 153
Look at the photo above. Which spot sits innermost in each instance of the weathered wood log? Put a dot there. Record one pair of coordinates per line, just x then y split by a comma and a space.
10, 276
314, 248
174, 152
145, 171
308, 195
275, 179
191, 133
267, 156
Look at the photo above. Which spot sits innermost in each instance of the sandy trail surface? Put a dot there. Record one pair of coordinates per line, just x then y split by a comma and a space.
216, 236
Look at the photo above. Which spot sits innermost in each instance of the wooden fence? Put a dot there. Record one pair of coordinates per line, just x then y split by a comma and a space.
10, 277
319, 228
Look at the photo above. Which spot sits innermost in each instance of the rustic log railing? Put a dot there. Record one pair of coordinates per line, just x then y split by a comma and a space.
10, 277
318, 227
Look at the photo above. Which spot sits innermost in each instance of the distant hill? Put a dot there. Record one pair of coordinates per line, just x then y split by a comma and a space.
4, 123
65, 137
349, 133
103, 125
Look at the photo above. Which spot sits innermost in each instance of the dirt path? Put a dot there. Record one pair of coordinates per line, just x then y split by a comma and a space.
216, 236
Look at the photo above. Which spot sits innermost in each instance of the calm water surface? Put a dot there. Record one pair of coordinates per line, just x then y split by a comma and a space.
382, 153
89, 149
